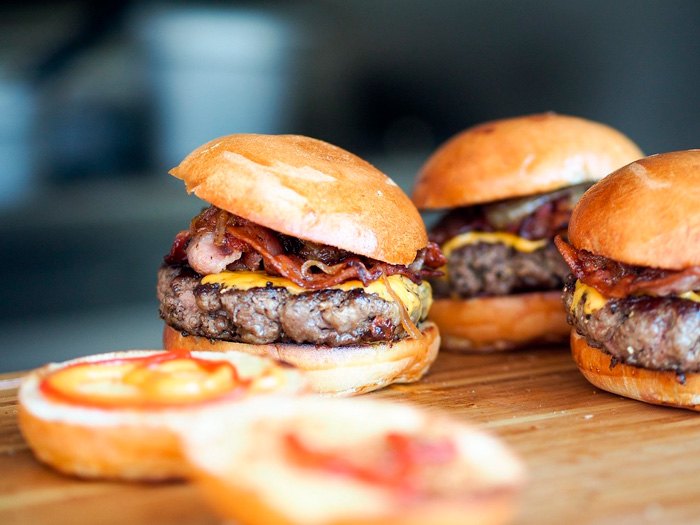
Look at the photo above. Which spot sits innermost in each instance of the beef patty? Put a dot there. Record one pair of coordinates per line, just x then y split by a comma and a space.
488, 269
268, 315
658, 333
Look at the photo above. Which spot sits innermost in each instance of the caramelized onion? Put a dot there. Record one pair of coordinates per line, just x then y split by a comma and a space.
503, 214
220, 228
328, 270
408, 325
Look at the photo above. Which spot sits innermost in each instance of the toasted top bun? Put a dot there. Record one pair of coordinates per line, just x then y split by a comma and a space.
309, 189
520, 156
646, 213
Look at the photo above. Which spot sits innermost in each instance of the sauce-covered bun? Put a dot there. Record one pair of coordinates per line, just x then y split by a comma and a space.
112, 415
316, 461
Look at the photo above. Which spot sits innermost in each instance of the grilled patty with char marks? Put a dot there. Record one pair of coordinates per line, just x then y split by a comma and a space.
657, 333
273, 314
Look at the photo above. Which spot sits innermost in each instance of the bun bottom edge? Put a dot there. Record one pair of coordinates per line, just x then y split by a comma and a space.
500, 323
341, 371
657, 387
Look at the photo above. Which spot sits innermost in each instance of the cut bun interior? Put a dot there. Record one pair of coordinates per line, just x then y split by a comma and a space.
342, 370
308, 189
129, 443
520, 156
651, 386
487, 324
316, 461
645, 213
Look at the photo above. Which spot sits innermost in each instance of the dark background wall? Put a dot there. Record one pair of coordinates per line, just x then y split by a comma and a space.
98, 101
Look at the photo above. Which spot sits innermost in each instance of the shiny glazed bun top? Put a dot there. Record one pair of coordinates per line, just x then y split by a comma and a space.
520, 156
646, 213
308, 189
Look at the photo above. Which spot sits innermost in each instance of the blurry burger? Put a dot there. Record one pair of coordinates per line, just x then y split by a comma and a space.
634, 296
306, 253
507, 187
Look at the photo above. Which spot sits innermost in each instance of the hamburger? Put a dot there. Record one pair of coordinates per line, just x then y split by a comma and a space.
506, 189
306, 253
633, 298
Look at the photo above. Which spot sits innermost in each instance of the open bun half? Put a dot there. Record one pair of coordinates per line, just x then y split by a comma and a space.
651, 386
342, 370
488, 324
646, 213
520, 156
246, 471
309, 189
123, 443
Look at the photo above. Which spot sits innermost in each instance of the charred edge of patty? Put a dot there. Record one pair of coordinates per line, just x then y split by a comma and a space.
656, 333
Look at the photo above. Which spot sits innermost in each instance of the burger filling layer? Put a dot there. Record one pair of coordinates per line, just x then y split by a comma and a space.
642, 316
269, 314
505, 247
227, 278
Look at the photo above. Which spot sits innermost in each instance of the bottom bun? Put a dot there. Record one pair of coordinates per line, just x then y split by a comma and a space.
342, 370
659, 387
346, 472
488, 324
137, 444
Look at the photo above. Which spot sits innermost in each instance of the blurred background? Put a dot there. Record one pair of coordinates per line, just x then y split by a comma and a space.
99, 99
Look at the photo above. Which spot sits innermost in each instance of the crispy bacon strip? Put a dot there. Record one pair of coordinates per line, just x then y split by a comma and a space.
178, 253
280, 257
616, 279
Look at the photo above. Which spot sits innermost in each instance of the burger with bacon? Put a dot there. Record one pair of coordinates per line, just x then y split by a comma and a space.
634, 294
506, 188
306, 253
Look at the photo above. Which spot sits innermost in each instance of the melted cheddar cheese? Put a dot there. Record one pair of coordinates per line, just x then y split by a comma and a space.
691, 296
594, 300
513, 241
416, 298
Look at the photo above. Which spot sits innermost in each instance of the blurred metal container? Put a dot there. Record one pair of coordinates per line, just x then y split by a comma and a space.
216, 71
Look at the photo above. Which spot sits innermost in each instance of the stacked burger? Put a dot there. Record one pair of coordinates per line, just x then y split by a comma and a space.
508, 188
307, 253
633, 297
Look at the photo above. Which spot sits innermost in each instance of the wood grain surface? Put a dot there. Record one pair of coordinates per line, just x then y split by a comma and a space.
592, 457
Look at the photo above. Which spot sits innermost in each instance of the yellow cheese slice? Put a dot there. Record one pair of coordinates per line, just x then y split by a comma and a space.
416, 298
518, 243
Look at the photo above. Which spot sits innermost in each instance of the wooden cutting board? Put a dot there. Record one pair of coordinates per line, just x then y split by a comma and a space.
592, 457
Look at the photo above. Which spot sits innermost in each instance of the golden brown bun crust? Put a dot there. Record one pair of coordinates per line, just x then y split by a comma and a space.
520, 156
651, 386
343, 370
646, 213
119, 452
309, 189
488, 324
